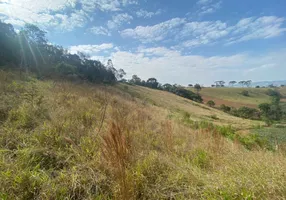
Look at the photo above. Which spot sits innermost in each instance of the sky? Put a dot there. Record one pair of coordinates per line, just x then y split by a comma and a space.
182, 41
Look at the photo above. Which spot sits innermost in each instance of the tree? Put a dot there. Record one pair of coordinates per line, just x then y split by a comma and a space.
9, 46
231, 83
242, 83
188, 94
65, 69
135, 80
248, 83
198, 87
219, 83
152, 83
270, 112
211, 103
29, 49
120, 74
190, 85
168, 87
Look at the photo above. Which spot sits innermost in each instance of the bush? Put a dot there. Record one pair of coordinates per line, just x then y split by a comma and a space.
245, 93
273, 93
65, 69
211, 103
225, 108
188, 94
246, 112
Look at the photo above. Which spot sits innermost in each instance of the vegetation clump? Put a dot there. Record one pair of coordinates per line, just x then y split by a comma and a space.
211, 103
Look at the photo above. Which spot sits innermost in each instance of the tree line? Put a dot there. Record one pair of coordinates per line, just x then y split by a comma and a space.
232, 83
30, 51
173, 88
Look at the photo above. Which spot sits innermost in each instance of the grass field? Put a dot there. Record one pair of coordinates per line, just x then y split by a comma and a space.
63, 140
233, 96
197, 112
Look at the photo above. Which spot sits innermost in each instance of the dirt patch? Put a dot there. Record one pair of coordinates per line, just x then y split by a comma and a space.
219, 102
283, 100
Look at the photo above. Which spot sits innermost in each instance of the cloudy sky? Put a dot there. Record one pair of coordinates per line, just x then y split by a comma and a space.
176, 41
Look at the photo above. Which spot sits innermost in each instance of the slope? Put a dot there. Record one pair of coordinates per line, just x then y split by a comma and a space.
233, 96
66, 140
176, 104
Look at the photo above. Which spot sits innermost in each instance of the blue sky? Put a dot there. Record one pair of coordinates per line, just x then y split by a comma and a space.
182, 41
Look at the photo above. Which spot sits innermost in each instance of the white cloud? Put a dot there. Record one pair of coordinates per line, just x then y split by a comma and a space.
202, 32
192, 34
257, 28
99, 31
105, 5
62, 14
91, 50
146, 14
154, 33
118, 20
203, 2
208, 6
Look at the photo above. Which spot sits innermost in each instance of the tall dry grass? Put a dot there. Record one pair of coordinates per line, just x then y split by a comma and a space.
81, 141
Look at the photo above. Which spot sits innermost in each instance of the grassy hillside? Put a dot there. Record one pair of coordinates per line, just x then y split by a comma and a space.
63, 140
233, 96
176, 105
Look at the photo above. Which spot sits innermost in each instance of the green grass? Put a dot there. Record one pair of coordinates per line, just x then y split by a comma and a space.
256, 95
272, 134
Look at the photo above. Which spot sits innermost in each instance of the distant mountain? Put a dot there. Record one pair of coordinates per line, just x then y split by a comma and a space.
267, 83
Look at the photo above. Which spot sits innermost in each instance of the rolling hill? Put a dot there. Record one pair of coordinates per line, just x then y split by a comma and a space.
233, 97
77, 140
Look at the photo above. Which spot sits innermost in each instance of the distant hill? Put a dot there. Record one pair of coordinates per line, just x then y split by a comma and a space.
267, 83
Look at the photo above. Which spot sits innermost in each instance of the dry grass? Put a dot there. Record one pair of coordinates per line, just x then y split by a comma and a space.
196, 111
80, 141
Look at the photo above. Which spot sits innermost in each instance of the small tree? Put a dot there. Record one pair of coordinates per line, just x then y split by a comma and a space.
219, 83
248, 83
242, 83
152, 83
231, 83
211, 103
190, 85
198, 88
225, 108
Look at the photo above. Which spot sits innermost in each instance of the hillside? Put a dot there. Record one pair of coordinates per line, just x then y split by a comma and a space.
76, 140
176, 105
233, 96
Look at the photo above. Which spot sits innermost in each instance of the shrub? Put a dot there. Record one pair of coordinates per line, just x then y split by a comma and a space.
211, 103
225, 108
273, 93
271, 112
65, 69
188, 94
257, 86
246, 112
245, 93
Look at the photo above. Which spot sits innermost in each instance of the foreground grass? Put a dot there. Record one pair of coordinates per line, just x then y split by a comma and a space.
61, 140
